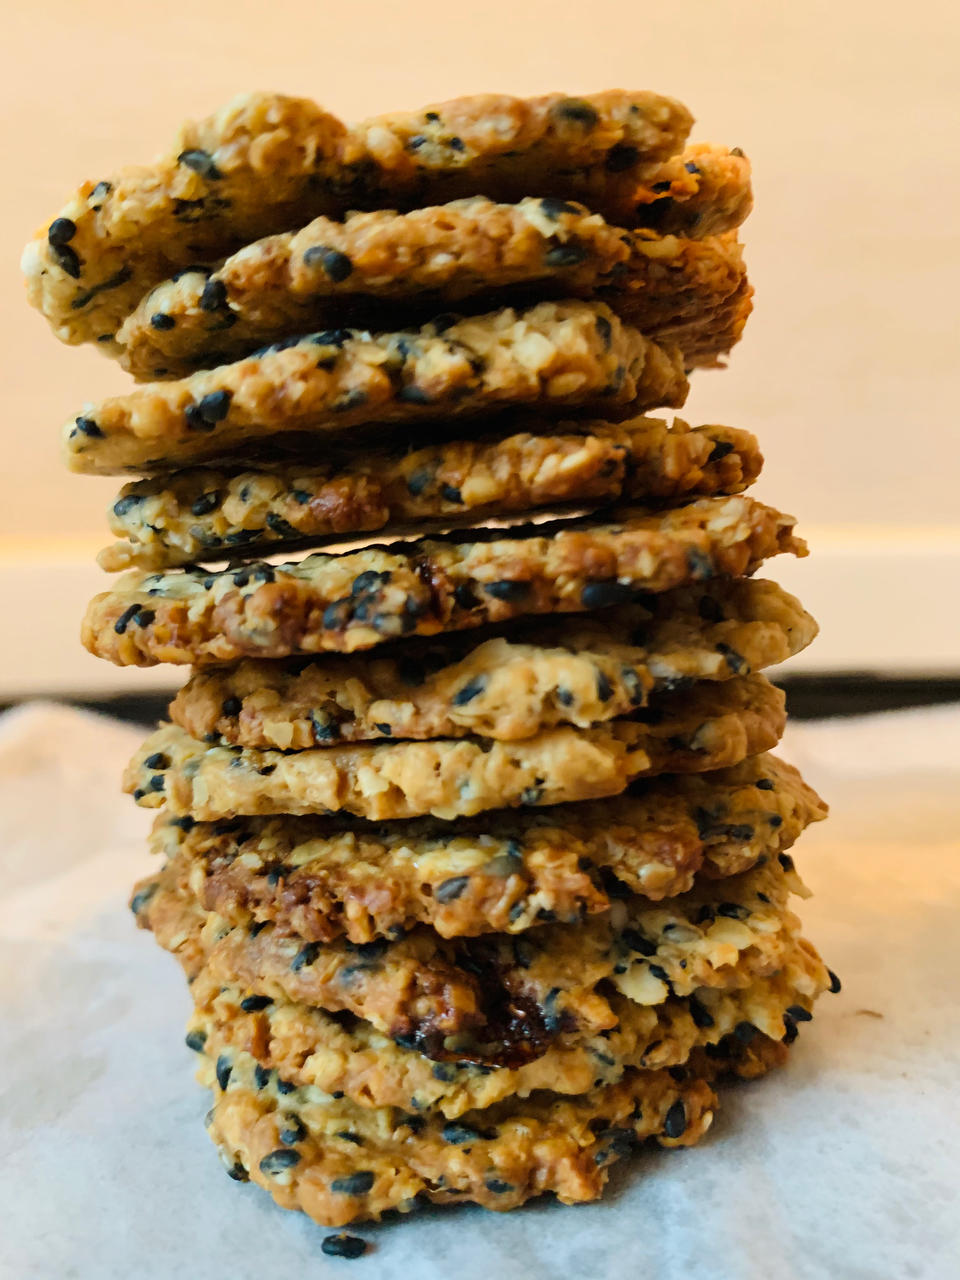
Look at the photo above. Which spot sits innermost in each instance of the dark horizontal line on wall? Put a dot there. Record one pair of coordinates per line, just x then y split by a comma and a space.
809, 697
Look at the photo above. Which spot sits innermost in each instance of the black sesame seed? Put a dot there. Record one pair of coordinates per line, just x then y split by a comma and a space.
140, 900
508, 591
699, 1012
450, 494
564, 696
602, 595
305, 956
336, 265
553, 207
157, 782
745, 1032
369, 580
799, 1014
635, 940
125, 504
785, 861
465, 597
143, 617
253, 1004
206, 503
89, 428
675, 1122
835, 984
125, 618
214, 295
195, 1040
200, 162
457, 1134
215, 406
577, 111
720, 450
691, 167
61, 230
224, 1069
604, 687
157, 761
733, 910
418, 481
343, 1246
531, 795
764, 784
621, 157
735, 661
355, 1184
472, 689
775, 820
346, 1136
68, 261
451, 889
102, 189
160, 320
413, 395
278, 1161
605, 330
497, 1186
444, 1071
293, 1131
237, 1172
791, 1031
261, 1076
699, 563
565, 255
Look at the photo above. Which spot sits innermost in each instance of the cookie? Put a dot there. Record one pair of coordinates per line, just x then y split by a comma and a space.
494, 999
340, 1163
348, 1058
374, 267
266, 163
357, 600
706, 339
206, 514
505, 872
552, 356
510, 684
706, 727
705, 190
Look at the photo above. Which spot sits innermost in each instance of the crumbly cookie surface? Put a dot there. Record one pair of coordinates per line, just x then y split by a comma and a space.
495, 999
340, 1163
210, 513
372, 266
312, 1049
579, 670
266, 163
553, 355
705, 190
357, 600
709, 726
504, 872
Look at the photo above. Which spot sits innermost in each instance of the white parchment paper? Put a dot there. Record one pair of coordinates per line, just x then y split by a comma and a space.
845, 1166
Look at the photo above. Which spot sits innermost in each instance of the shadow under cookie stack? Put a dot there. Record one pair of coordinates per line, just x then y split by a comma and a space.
473, 851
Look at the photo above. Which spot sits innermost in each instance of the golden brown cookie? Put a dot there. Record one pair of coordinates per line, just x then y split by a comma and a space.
504, 872
495, 999
267, 163
357, 600
339, 1162
552, 356
348, 1058
209, 514
386, 268
506, 683
708, 726
702, 191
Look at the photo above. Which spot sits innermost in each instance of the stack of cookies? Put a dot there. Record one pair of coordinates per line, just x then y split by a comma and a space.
474, 853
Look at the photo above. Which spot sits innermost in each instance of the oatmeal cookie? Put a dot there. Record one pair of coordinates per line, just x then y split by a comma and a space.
705, 190
340, 1163
357, 600
708, 726
495, 999
501, 683
551, 356
376, 266
266, 163
505, 872
208, 514
312, 1049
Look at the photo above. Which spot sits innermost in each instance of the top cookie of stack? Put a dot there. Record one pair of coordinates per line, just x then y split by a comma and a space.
424, 327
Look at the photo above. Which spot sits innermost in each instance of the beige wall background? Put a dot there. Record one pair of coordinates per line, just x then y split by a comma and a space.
848, 372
